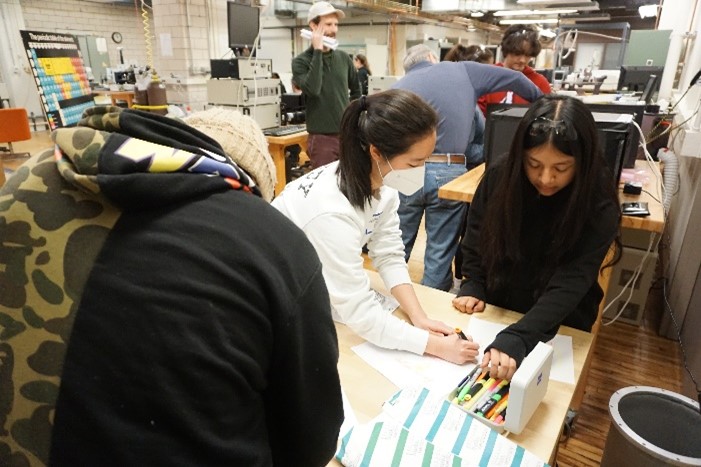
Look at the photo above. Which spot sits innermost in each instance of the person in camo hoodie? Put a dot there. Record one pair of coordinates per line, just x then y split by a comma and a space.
150, 314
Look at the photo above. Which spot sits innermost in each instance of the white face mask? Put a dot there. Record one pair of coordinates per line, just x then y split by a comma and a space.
405, 181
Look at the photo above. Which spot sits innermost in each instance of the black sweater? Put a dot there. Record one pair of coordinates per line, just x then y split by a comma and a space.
571, 295
172, 320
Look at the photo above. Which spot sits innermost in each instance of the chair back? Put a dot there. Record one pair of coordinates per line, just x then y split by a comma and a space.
14, 125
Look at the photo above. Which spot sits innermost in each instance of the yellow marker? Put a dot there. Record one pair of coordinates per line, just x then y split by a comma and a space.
475, 396
499, 408
470, 400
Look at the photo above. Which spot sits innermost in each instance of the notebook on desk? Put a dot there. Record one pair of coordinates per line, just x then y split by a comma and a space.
419, 427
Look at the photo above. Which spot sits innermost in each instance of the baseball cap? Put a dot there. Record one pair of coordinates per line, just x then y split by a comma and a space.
323, 9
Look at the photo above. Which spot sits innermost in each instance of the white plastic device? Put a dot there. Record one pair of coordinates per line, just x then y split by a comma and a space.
526, 390
528, 387
329, 42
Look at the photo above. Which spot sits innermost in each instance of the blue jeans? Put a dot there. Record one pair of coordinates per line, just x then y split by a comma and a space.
443, 221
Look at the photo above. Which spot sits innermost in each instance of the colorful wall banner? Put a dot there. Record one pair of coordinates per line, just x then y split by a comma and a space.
60, 76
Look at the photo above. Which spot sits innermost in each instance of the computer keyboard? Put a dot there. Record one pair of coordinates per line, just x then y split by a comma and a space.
284, 130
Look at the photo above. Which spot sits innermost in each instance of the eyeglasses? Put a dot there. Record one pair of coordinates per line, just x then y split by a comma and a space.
543, 125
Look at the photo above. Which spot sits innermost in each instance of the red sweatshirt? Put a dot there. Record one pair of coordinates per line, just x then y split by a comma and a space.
499, 97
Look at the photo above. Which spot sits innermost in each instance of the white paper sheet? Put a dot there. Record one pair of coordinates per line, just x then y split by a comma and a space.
419, 427
562, 369
563, 359
101, 44
428, 415
166, 43
406, 369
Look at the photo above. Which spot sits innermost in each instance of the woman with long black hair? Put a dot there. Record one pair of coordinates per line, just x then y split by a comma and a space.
540, 226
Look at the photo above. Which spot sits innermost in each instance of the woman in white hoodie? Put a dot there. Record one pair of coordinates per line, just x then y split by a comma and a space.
385, 140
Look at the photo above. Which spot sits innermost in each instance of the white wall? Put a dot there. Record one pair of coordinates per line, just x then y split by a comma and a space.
91, 19
17, 75
280, 39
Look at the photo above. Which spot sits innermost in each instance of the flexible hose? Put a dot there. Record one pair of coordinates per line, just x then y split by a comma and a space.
670, 176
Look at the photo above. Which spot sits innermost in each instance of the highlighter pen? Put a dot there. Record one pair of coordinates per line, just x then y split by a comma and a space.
494, 388
469, 402
474, 378
492, 401
491, 415
469, 387
501, 406
466, 379
462, 335
487, 394
500, 418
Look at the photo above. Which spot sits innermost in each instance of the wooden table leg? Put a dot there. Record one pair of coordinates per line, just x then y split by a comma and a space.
604, 279
277, 151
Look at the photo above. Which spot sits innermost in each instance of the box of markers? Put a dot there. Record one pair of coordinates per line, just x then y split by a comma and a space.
506, 405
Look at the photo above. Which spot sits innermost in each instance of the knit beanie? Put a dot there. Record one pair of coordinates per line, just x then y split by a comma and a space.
242, 140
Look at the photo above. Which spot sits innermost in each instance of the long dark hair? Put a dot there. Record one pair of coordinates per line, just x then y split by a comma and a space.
520, 39
364, 62
392, 121
472, 53
570, 128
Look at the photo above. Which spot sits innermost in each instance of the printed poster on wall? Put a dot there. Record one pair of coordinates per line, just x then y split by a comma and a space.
60, 76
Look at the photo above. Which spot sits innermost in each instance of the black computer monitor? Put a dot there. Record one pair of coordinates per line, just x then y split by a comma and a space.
650, 88
244, 25
635, 78
634, 109
560, 75
125, 77
615, 135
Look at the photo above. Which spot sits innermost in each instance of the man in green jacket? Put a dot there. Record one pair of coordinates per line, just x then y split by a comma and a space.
326, 77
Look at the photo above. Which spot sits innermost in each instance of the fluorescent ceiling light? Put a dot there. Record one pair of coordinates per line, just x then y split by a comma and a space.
477, 14
585, 17
551, 2
548, 33
529, 21
591, 6
647, 11
532, 12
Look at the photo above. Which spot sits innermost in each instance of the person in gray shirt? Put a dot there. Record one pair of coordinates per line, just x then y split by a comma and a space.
452, 89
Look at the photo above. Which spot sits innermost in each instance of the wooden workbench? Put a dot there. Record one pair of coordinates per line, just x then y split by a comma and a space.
463, 189
276, 148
